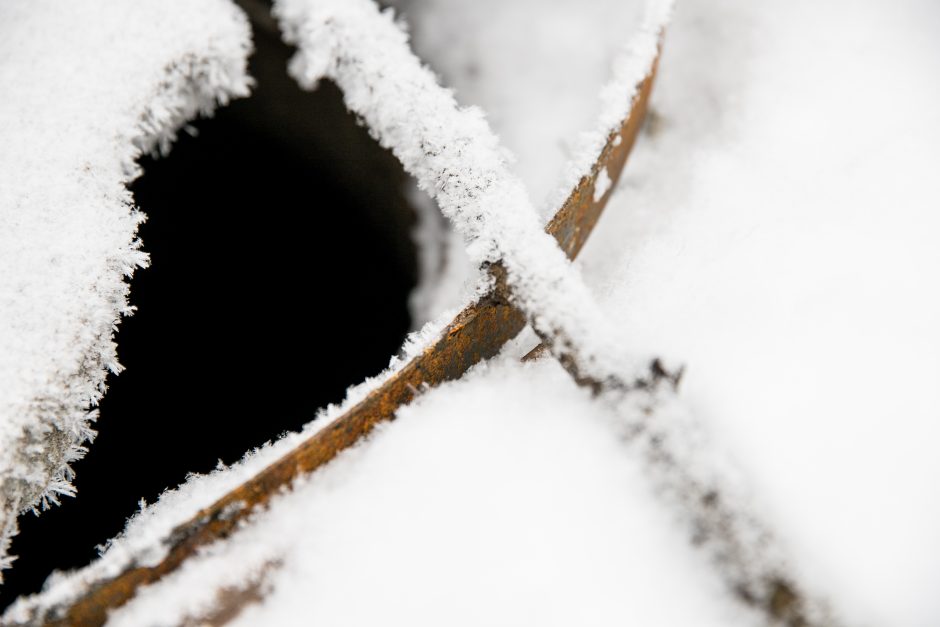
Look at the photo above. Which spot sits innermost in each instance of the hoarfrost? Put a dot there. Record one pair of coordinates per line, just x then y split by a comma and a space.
88, 88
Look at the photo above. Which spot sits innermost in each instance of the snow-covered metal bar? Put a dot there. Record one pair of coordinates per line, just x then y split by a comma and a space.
458, 160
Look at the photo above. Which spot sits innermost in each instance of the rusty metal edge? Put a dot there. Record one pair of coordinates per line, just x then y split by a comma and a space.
476, 333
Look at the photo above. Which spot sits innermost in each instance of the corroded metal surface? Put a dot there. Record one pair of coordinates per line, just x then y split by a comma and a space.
478, 332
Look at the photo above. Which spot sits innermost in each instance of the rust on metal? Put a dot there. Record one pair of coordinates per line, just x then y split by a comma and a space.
478, 332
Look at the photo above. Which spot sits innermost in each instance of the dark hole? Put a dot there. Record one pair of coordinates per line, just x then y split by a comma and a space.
281, 264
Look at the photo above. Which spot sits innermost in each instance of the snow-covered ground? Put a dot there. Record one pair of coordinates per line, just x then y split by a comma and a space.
774, 232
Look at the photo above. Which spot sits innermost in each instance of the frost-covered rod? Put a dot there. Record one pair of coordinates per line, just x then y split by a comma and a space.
457, 159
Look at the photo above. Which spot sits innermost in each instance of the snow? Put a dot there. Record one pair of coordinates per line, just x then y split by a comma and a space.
87, 90
424, 524
602, 184
384, 63
447, 279
776, 231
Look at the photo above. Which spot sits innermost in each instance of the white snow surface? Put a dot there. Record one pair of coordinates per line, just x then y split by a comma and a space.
87, 88
776, 230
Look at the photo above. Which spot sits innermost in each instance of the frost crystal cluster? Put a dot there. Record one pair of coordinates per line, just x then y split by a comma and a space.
88, 88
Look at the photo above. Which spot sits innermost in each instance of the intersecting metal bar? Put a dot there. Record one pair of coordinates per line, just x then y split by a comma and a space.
478, 332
